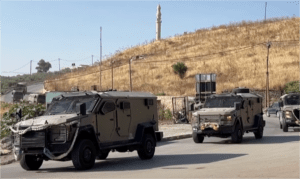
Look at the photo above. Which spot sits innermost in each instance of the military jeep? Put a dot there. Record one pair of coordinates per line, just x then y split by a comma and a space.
229, 115
84, 126
289, 111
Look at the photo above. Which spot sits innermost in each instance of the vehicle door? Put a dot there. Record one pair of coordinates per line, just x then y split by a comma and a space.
123, 117
244, 114
106, 120
250, 118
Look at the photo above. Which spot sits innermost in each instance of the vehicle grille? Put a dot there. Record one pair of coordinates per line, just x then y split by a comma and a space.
33, 139
210, 118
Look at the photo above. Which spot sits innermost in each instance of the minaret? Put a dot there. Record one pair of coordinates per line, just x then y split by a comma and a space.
158, 23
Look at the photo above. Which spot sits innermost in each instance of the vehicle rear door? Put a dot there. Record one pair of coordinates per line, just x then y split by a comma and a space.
123, 117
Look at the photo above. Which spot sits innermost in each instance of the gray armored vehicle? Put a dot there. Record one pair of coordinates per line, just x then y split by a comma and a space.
229, 115
289, 111
84, 126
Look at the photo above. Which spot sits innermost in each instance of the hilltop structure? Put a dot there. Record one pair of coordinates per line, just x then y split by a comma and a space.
158, 23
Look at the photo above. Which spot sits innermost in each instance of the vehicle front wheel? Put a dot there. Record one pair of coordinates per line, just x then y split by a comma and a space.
237, 135
198, 138
30, 162
284, 126
147, 149
83, 155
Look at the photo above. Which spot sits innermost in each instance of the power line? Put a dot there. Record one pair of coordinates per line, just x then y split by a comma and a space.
20, 67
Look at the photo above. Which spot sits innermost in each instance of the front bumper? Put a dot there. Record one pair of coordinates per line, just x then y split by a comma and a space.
292, 122
210, 131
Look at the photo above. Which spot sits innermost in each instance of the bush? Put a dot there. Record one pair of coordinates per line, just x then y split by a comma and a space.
28, 111
180, 68
292, 86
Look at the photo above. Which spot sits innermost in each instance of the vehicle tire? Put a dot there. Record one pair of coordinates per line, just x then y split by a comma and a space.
237, 135
103, 155
30, 162
260, 131
284, 126
84, 154
268, 114
198, 138
147, 149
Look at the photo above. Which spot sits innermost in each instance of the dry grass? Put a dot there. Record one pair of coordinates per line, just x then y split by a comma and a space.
204, 51
3, 110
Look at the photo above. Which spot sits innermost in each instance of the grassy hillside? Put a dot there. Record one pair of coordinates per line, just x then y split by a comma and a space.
235, 52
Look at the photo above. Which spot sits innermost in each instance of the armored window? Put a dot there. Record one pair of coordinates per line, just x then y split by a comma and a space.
124, 105
149, 102
108, 107
258, 100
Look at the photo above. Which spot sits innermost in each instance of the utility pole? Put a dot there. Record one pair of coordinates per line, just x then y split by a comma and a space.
266, 11
100, 56
30, 66
112, 74
92, 59
59, 63
130, 74
267, 77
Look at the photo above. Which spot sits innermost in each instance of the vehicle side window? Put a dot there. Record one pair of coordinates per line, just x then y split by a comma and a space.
107, 107
124, 105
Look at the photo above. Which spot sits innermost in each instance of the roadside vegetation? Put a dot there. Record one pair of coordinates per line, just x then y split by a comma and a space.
8, 109
236, 52
292, 86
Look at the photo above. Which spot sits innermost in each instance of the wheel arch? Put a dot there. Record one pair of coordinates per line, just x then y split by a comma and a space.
142, 129
88, 132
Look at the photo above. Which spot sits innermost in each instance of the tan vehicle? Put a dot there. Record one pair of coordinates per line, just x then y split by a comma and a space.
84, 126
229, 115
289, 111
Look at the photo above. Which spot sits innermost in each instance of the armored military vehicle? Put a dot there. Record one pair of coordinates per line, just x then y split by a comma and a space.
229, 115
17, 96
20, 87
289, 111
84, 126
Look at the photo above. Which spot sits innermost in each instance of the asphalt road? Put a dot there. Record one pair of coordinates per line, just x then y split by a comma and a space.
35, 88
276, 155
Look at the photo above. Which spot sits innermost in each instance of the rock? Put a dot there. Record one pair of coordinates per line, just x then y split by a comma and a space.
4, 152
7, 143
6, 139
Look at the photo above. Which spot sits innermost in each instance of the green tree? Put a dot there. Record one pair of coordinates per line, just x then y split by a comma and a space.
43, 66
180, 68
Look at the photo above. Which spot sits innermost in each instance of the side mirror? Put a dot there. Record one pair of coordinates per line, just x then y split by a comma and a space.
237, 106
280, 104
81, 109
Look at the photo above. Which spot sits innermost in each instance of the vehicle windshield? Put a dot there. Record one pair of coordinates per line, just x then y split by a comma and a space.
221, 102
292, 100
67, 105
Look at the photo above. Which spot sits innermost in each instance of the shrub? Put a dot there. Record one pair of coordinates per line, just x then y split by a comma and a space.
167, 114
28, 111
180, 68
292, 86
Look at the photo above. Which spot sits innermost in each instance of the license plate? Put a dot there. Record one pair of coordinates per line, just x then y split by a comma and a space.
288, 120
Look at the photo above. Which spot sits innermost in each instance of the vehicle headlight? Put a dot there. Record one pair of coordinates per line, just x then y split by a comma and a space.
229, 118
288, 114
195, 120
